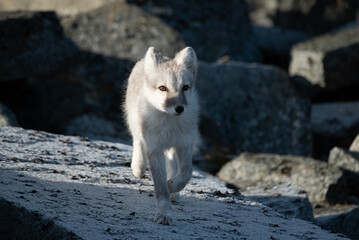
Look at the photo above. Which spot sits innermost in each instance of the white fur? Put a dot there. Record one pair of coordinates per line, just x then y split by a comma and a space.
161, 136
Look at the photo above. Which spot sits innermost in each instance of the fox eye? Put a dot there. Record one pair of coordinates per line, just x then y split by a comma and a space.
162, 88
185, 87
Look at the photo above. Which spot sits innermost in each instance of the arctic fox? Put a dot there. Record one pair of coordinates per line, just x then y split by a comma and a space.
162, 115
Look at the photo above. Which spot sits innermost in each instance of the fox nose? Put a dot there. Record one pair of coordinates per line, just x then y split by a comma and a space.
179, 109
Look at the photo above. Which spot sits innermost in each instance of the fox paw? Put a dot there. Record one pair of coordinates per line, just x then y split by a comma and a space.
137, 171
163, 219
174, 197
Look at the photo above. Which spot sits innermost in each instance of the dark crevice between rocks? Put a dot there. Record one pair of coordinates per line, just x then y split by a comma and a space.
345, 190
19, 223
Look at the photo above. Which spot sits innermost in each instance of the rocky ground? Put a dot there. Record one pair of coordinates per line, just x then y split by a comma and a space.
277, 81
78, 188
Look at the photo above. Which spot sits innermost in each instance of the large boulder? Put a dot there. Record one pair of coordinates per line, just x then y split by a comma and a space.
333, 124
251, 107
329, 62
32, 43
52, 80
321, 181
213, 28
89, 84
286, 198
121, 30
84, 189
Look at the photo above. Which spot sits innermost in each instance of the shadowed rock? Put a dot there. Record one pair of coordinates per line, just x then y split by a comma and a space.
333, 124
311, 16
286, 198
32, 43
19, 223
345, 221
252, 107
122, 30
213, 28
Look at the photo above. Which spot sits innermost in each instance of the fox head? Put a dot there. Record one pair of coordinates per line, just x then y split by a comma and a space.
170, 83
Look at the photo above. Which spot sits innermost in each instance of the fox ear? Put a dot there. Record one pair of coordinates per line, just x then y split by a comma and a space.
187, 59
150, 59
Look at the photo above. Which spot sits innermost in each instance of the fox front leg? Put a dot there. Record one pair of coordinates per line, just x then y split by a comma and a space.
139, 160
158, 170
184, 173
172, 169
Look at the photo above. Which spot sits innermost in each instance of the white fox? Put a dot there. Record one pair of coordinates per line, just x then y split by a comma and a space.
162, 115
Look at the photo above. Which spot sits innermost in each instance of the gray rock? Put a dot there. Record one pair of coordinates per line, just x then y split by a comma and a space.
52, 81
286, 198
311, 16
321, 181
344, 159
329, 61
250, 107
275, 43
64, 7
95, 127
355, 145
261, 12
7, 117
121, 30
32, 43
333, 124
346, 222
213, 28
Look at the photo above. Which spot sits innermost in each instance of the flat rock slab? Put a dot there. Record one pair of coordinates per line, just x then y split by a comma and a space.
329, 61
86, 187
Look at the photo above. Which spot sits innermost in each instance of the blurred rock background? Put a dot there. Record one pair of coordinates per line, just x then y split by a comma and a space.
278, 82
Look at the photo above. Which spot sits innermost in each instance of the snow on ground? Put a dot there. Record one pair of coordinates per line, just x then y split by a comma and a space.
87, 187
